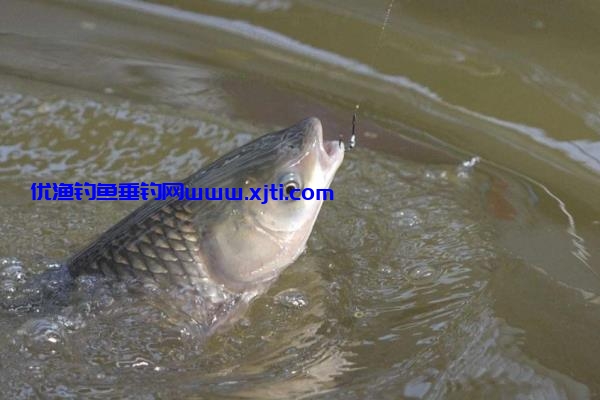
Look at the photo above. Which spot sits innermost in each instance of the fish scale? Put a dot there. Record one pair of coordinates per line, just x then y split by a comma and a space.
165, 244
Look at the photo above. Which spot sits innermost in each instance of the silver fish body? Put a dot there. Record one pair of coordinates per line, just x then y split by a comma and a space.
226, 252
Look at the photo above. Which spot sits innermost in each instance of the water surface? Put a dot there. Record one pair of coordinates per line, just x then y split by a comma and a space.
426, 277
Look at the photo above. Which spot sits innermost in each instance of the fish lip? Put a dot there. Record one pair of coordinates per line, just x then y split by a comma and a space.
332, 151
333, 156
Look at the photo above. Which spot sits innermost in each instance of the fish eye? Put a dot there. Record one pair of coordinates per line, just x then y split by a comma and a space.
289, 182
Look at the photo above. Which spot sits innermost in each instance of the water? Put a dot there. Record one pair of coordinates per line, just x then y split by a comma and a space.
433, 274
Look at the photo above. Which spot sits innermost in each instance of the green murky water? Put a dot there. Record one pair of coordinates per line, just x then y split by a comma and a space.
424, 278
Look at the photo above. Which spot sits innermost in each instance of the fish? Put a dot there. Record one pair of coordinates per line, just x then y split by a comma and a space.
225, 252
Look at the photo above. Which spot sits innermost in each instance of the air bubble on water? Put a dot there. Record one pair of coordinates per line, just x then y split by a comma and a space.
137, 362
406, 218
465, 169
103, 301
72, 322
12, 277
334, 286
472, 162
430, 174
185, 332
12, 269
34, 367
291, 298
385, 269
140, 364
436, 175
41, 336
422, 274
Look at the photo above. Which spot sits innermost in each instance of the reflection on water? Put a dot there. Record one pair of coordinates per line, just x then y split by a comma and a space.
425, 278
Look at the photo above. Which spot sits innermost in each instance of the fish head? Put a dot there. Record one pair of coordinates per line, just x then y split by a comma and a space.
256, 240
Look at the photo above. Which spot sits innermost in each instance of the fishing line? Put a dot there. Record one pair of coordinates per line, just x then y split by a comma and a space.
386, 19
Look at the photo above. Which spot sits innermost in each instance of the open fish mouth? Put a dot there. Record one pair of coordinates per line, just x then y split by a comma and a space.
335, 150
331, 152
